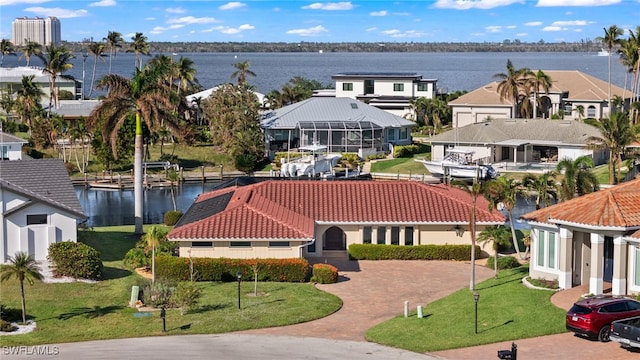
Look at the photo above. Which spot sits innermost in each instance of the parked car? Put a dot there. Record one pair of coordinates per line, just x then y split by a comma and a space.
626, 332
592, 316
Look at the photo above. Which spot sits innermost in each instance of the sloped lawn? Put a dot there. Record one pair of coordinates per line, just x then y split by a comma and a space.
507, 310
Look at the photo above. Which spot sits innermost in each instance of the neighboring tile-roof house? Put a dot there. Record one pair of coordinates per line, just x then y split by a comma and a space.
567, 132
44, 180
289, 209
616, 207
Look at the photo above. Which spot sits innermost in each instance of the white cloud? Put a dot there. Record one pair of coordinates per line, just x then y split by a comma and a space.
570, 23
401, 14
493, 29
510, 26
521, 34
395, 33
57, 12
246, 27
232, 5
151, 18
371, 29
177, 10
191, 20
553, 28
229, 30
379, 13
474, 4
103, 3
533, 23
314, 31
345, 5
552, 3
160, 29
14, 2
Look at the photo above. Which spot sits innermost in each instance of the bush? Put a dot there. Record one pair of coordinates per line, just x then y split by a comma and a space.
77, 260
417, 252
6, 326
172, 217
504, 262
140, 255
351, 160
158, 294
376, 156
10, 314
400, 151
224, 269
324, 274
186, 296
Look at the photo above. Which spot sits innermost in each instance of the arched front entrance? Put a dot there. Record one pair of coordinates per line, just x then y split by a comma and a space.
334, 239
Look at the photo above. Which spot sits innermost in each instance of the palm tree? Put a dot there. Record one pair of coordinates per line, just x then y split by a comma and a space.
543, 185
139, 46
497, 236
617, 134
512, 84
97, 50
186, 74
577, 178
153, 238
6, 47
23, 267
29, 49
114, 41
580, 110
150, 100
28, 99
79, 132
609, 40
539, 81
242, 72
56, 60
506, 191
475, 190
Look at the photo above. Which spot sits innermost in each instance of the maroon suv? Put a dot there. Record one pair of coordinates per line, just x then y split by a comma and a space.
592, 317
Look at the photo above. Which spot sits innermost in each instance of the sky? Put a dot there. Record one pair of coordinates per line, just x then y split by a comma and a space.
339, 21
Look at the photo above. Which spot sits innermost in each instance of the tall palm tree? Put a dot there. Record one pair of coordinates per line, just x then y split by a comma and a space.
114, 41
139, 46
543, 185
186, 73
539, 81
153, 238
151, 102
580, 110
28, 99
29, 49
497, 236
617, 134
97, 50
512, 83
475, 190
56, 60
23, 267
609, 40
577, 177
6, 48
242, 71
505, 191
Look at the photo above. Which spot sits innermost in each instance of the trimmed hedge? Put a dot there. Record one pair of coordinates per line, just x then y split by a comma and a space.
401, 151
416, 252
504, 262
172, 217
324, 274
224, 269
77, 260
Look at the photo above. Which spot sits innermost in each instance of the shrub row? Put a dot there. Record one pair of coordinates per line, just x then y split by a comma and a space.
224, 269
77, 260
400, 151
324, 274
417, 252
172, 217
504, 262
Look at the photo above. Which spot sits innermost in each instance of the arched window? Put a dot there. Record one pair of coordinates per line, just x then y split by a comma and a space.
591, 111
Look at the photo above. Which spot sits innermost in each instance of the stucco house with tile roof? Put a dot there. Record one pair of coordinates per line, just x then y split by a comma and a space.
320, 219
38, 207
521, 140
341, 123
569, 90
10, 146
593, 239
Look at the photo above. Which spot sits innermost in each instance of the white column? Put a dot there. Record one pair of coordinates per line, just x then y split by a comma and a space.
565, 267
401, 240
597, 264
374, 235
515, 155
619, 281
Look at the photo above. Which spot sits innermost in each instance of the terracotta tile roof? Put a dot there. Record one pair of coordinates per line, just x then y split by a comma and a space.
289, 208
618, 206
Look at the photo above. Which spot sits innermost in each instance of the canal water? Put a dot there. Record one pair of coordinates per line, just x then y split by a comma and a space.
116, 207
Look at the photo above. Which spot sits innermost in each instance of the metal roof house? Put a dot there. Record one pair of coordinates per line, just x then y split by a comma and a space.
342, 124
11, 81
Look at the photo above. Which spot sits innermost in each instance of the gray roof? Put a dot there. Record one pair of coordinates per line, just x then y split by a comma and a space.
75, 108
520, 131
42, 180
10, 139
330, 109
14, 75
377, 75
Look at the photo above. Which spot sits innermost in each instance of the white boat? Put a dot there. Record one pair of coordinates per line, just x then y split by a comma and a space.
458, 163
315, 162
603, 52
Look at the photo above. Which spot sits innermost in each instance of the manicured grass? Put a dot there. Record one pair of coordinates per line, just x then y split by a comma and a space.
401, 165
67, 312
507, 310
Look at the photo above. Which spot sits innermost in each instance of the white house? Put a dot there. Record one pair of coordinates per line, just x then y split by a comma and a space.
389, 91
11, 81
10, 147
38, 207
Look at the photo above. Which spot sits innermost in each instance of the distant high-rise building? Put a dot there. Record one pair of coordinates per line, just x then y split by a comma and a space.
40, 30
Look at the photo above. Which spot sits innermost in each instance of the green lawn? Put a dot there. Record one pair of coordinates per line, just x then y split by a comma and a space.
67, 312
401, 165
507, 310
